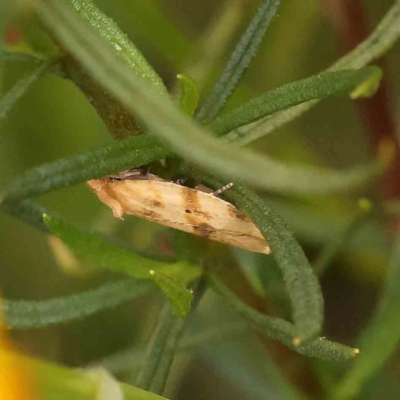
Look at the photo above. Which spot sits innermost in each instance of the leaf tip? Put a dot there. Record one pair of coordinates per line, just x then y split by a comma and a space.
365, 205
355, 352
369, 86
296, 341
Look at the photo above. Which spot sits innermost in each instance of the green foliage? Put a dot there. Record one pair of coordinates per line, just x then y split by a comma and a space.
378, 43
315, 87
97, 250
177, 294
187, 139
380, 339
239, 61
189, 94
300, 281
158, 360
95, 54
95, 163
119, 45
279, 329
36, 314
8, 101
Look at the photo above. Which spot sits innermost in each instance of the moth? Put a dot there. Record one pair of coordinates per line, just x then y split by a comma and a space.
194, 211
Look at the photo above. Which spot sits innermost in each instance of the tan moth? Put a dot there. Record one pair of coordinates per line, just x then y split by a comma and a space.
190, 210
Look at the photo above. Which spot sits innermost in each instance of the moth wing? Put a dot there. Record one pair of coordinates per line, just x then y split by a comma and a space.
188, 210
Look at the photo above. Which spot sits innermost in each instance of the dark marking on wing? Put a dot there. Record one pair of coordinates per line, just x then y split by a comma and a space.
190, 199
205, 215
235, 213
155, 203
205, 230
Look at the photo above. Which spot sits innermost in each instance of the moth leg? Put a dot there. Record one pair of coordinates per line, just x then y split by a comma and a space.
222, 190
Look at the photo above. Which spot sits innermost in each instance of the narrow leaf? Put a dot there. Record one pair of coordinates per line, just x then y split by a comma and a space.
189, 94
18, 57
239, 61
161, 351
20, 88
104, 254
314, 87
380, 339
301, 283
378, 43
187, 139
27, 211
22, 314
120, 45
283, 331
95, 163
176, 292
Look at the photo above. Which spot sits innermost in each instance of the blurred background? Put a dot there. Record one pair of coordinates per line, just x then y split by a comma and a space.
54, 120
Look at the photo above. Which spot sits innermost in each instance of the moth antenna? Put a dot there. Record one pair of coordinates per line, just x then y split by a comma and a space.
222, 190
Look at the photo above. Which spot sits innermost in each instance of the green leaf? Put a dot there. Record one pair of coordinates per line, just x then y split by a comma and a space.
368, 87
21, 314
239, 61
189, 94
283, 331
170, 278
378, 43
291, 94
96, 163
27, 211
20, 88
120, 45
301, 283
18, 57
168, 122
381, 337
176, 292
161, 351
102, 253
